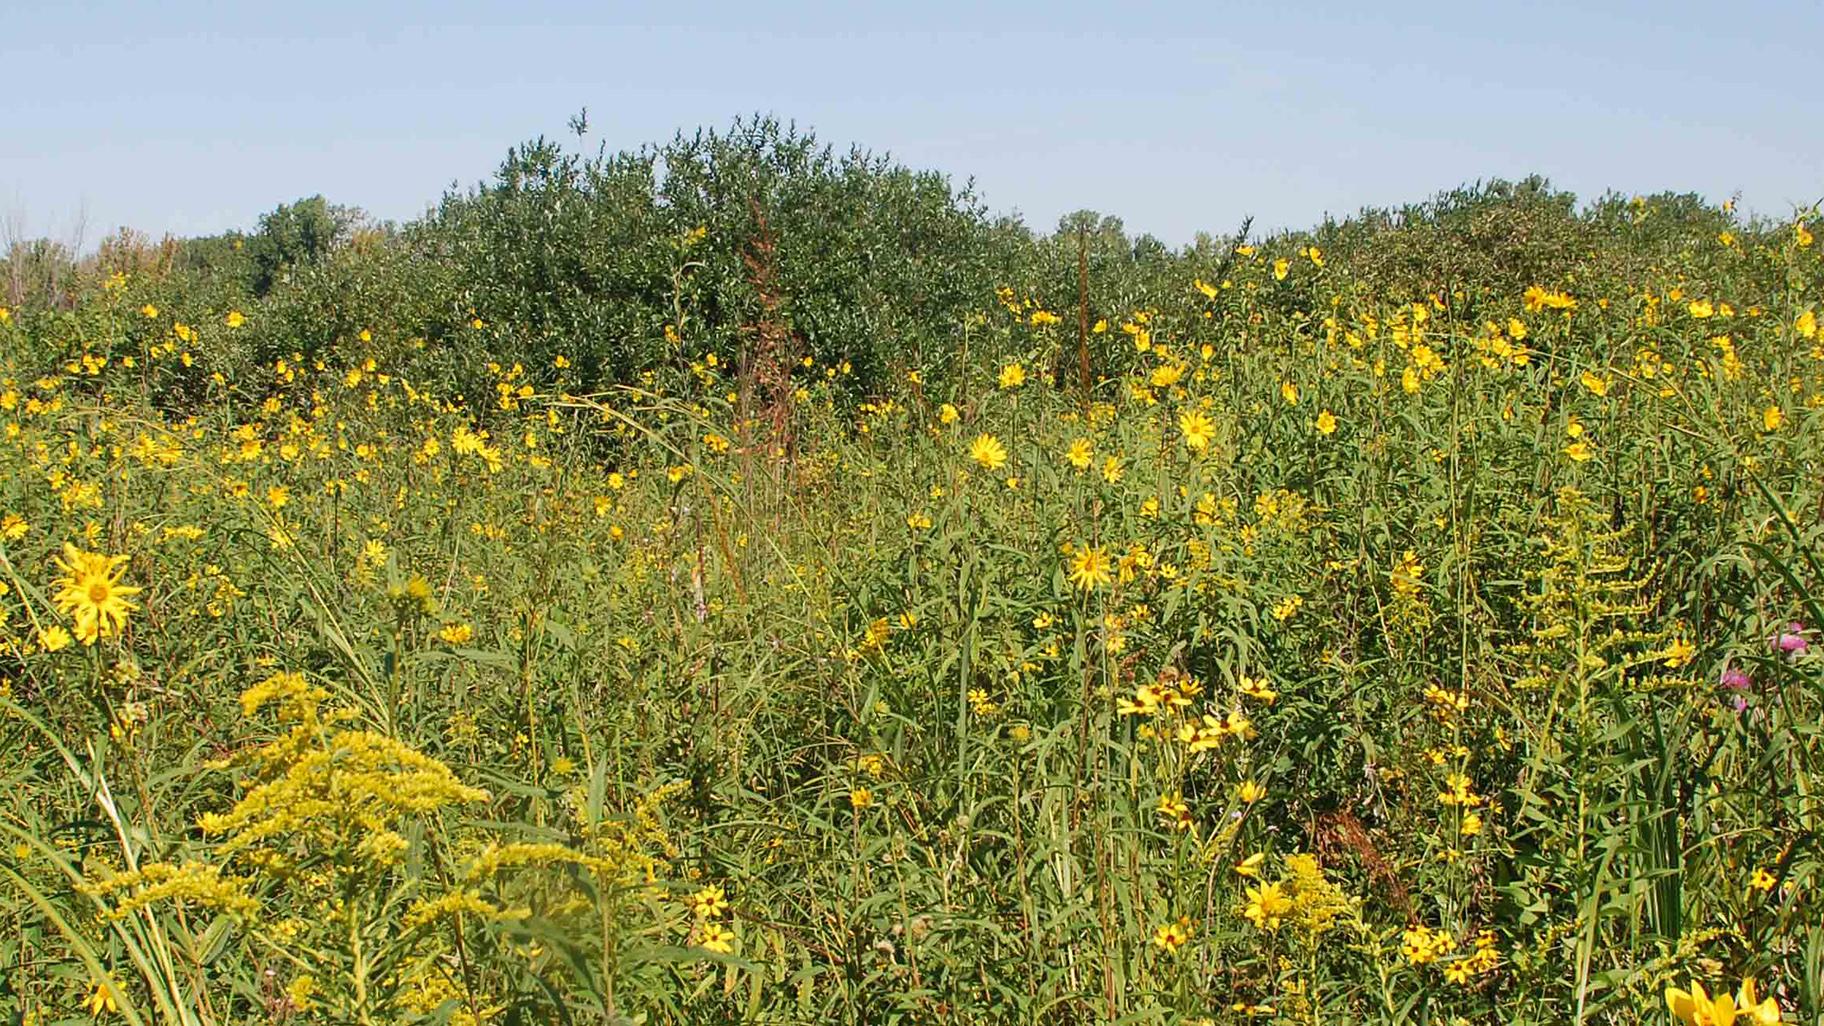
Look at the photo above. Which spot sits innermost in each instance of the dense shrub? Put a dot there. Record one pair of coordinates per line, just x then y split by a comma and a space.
647, 258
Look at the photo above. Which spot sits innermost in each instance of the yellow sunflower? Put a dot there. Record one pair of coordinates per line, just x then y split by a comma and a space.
90, 590
1089, 568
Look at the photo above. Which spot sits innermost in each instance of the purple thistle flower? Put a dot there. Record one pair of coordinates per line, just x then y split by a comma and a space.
1738, 681
1792, 639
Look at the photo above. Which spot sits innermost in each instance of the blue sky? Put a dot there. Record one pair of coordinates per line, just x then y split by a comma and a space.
193, 117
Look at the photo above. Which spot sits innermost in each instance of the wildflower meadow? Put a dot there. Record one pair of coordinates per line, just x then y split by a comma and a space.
738, 581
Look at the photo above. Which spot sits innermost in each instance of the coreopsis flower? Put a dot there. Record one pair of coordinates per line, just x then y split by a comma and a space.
1174, 811
1326, 423
709, 903
716, 937
1258, 688
1173, 935
1422, 945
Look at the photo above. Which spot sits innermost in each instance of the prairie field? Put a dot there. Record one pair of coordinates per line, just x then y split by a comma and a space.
740, 581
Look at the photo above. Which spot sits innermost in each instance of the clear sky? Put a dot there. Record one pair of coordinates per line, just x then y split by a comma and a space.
193, 117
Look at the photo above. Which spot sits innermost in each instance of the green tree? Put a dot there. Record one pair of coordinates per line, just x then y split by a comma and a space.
298, 233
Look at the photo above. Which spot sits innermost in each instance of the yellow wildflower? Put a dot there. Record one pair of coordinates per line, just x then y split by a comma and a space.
988, 451
1197, 428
